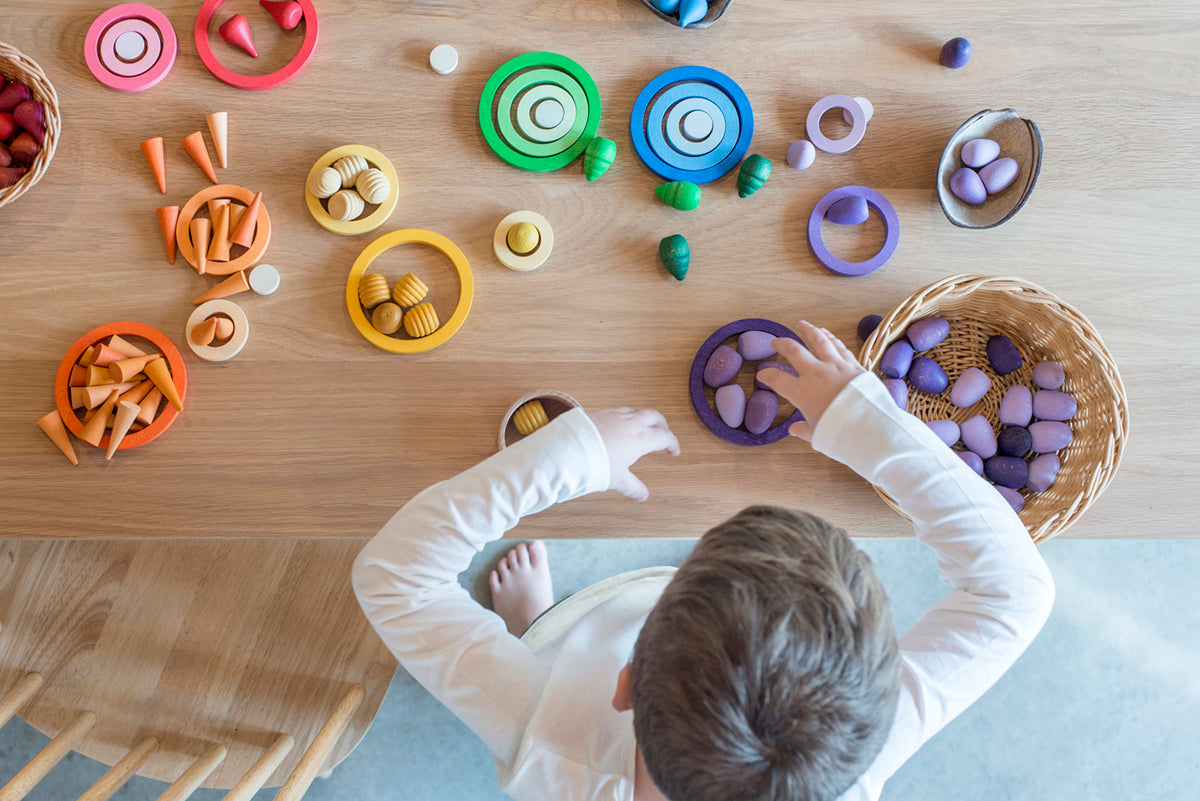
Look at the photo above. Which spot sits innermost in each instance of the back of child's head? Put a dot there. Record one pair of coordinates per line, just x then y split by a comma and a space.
769, 668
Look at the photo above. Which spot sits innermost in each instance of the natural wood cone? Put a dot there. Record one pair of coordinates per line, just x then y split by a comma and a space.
153, 149
218, 126
149, 406
167, 217
244, 235
232, 285
125, 347
126, 413
56, 430
138, 392
161, 376
193, 143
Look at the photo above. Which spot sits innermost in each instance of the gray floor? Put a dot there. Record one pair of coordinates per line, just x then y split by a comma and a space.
1105, 705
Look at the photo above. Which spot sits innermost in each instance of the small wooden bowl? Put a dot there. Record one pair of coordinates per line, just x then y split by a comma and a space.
716, 9
1019, 139
15, 65
553, 401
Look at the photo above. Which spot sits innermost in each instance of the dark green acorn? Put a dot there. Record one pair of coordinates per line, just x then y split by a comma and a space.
675, 255
754, 173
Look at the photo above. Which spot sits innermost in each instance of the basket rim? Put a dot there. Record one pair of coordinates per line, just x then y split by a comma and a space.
16, 64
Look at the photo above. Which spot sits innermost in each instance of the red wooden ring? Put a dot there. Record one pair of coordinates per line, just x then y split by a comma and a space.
255, 82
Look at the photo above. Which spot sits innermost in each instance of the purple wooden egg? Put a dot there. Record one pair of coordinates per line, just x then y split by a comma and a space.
1016, 407
852, 210
1050, 435
946, 430
970, 387
755, 345
1002, 354
1015, 499
927, 375
1007, 471
973, 461
731, 404
955, 53
1050, 404
787, 368
927, 332
761, 410
977, 434
898, 390
722, 366
1049, 375
1014, 441
1042, 472
978, 152
867, 326
967, 186
997, 175
896, 359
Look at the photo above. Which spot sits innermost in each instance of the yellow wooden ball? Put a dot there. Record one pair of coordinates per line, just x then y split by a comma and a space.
387, 318
524, 238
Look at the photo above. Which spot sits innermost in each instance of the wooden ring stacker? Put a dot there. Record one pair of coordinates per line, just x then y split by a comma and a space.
101, 30
696, 384
363, 224
241, 330
530, 261
183, 231
404, 236
253, 82
891, 227
849, 106
62, 390
553, 401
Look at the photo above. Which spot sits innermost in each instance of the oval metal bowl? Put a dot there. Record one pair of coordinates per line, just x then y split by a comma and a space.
716, 8
1019, 139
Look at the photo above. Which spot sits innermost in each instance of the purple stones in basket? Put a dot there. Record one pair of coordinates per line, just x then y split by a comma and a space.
896, 359
928, 332
1003, 355
970, 387
927, 375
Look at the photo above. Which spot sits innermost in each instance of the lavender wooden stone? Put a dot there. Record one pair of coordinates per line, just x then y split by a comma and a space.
1002, 354
1049, 436
1007, 471
898, 389
1049, 375
979, 152
867, 326
967, 186
755, 345
801, 154
851, 210
977, 434
731, 404
722, 366
896, 359
1014, 441
970, 387
946, 430
763, 366
973, 461
1050, 404
1016, 407
1015, 499
1042, 472
761, 409
927, 332
998, 175
927, 375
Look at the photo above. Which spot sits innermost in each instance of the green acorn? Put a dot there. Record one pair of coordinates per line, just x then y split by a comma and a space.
598, 157
754, 173
675, 255
683, 195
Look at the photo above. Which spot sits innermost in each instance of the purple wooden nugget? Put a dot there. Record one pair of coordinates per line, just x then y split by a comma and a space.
722, 366
896, 359
1042, 472
852, 210
1016, 407
927, 332
970, 387
1002, 354
1015, 499
927, 375
946, 430
998, 175
787, 368
977, 434
867, 326
1049, 375
1007, 471
973, 461
979, 152
1050, 435
761, 410
731, 404
755, 345
967, 186
898, 390
1014, 441
955, 53
1050, 404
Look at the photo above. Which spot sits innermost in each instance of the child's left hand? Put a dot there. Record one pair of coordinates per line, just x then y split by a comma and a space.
628, 436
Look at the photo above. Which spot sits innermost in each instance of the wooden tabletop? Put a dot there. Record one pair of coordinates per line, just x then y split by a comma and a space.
313, 432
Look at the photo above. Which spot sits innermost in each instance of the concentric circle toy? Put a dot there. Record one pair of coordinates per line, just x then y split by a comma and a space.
538, 111
365, 175
523, 241
891, 227
691, 124
130, 47
271, 80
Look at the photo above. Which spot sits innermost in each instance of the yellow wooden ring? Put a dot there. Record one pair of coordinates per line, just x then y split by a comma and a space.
363, 224
530, 261
262, 232
465, 296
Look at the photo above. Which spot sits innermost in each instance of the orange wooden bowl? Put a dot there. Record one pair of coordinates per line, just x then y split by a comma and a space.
62, 391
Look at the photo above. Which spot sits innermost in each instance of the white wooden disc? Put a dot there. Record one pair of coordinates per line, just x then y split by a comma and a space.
443, 59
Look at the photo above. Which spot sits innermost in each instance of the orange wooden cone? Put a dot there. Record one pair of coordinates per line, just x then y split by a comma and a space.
199, 228
206, 332
78, 376
193, 143
218, 248
98, 375
53, 425
218, 127
236, 31
167, 217
236, 212
94, 396
126, 413
104, 356
124, 347
93, 429
215, 204
161, 376
232, 285
153, 148
224, 328
78, 397
244, 235
139, 391
149, 406
127, 368
85, 359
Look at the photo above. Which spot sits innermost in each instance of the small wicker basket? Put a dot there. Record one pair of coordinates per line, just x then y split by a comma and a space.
15, 65
1042, 327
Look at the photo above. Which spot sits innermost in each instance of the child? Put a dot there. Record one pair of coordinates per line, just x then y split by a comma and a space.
766, 668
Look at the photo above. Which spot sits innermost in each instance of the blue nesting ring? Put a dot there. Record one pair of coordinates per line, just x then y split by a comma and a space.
671, 154
680, 112
637, 123
891, 227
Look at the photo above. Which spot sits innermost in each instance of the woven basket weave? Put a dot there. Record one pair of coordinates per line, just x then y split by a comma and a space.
1042, 327
15, 65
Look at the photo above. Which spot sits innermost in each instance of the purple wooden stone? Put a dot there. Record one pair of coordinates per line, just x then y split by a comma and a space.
731, 404
787, 368
946, 430
896, 359
867, 326
1050, 404
970, 387
1042, 472
927, 375
1014, 441
852, 210
1050, 435
1016, 407
761, 410
898, 390
927, 332
1049, 375
998, 175
722, 366
979, 152
755, 345
977, 434
1015, 499
955, 53
973, 461
967, 186
1002, 354
1006, 471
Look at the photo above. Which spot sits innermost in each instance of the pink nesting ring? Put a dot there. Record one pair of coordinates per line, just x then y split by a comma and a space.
130, 47
254, 82
891, 228
849, 106
106, 64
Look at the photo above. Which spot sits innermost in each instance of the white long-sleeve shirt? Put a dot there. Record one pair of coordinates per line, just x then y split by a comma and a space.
547, 716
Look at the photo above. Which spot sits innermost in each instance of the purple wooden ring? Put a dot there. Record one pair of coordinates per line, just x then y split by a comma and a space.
849, 106
891, 227
710, 419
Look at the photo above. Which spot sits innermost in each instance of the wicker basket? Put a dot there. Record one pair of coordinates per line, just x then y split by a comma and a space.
15, 65
1042, 327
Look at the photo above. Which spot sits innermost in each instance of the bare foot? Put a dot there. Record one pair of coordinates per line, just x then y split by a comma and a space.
521, 586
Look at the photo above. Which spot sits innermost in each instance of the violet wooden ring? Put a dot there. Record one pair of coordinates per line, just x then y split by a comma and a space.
696, 384
891, 227
849, 106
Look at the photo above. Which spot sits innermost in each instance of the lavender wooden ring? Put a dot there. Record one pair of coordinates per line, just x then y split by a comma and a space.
696, 383
891, 227
849, 106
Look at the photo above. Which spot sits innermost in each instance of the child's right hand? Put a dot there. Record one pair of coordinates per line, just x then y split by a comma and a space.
628, 436
823, 370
